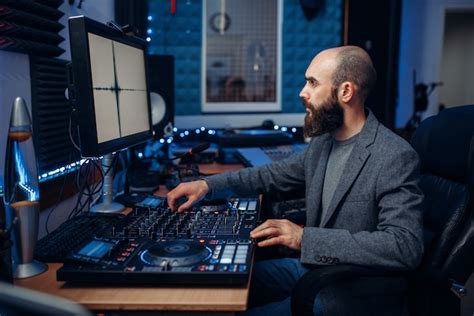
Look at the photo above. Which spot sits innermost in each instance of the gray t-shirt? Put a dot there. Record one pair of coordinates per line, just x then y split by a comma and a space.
340, 152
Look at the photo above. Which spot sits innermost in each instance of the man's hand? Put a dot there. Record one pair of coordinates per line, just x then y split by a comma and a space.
193, 191
279, 232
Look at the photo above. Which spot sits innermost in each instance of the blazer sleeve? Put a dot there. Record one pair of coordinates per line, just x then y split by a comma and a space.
397, 241
282, 176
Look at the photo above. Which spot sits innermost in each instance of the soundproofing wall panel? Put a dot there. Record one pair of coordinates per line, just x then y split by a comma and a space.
180, 34
51, 114
31, 27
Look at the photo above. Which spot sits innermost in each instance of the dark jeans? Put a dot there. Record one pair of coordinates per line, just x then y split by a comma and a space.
271, 286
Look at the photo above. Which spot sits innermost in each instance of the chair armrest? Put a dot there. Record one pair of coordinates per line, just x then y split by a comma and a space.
365, 281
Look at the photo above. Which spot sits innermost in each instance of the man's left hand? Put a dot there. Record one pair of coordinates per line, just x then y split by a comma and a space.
279, 232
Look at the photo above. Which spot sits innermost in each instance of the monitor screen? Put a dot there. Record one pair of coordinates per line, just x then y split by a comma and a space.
109, 75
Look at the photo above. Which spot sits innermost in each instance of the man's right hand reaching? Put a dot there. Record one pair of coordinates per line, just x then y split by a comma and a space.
193, 191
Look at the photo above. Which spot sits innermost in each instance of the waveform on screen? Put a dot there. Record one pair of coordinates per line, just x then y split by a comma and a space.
116, 88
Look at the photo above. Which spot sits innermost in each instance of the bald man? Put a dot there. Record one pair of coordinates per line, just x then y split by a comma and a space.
363, 203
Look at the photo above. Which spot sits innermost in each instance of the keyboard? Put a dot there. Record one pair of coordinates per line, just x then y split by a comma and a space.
55, 246
259, 156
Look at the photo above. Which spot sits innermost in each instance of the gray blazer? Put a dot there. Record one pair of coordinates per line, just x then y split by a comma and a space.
375, 216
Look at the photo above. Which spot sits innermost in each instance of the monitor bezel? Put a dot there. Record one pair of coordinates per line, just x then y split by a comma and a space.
79, 27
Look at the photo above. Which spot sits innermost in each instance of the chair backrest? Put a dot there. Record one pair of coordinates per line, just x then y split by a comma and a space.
17, 301
445, 143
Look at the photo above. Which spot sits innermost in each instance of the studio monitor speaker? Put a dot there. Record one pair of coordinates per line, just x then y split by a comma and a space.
161, 83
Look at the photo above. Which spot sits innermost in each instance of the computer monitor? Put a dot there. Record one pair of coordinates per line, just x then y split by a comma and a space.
110, 87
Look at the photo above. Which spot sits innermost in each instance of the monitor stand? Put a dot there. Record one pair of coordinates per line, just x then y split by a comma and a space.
107, 205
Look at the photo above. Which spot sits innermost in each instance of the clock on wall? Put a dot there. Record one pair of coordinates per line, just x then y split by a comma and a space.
219, 22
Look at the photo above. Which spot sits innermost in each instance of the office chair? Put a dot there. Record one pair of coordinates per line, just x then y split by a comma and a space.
18, 301
445, 143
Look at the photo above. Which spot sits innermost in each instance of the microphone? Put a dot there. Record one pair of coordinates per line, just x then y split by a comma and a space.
195, 150
198, 148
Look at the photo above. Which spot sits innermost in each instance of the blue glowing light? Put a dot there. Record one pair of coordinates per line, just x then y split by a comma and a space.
61, 170
20, 163
25, 187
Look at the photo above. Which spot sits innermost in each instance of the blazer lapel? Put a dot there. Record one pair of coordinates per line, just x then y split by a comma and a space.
354, 164
316, 188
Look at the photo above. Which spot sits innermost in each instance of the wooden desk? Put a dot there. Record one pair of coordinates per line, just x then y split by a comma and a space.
218, 300
143, 298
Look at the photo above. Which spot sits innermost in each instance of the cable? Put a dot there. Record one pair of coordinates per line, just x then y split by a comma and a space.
70, 133
79, 189
85, 173
61, 192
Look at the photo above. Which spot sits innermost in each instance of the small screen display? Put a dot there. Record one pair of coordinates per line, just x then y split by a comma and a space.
96, 249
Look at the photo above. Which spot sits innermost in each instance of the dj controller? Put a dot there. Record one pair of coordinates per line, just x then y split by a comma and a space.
209, 244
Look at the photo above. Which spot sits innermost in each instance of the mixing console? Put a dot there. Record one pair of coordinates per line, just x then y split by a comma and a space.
208, 244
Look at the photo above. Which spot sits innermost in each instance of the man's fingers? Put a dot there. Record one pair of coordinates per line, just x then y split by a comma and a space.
174, 195
265, 225
171, 201
269, 231
186, 205
278, 240
172, 198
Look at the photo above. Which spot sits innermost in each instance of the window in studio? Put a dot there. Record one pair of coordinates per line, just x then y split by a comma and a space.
241, 49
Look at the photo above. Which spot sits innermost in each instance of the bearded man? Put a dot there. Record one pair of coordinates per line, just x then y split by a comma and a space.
363, 203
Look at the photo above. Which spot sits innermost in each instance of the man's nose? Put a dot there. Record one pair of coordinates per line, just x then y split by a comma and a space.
301, 94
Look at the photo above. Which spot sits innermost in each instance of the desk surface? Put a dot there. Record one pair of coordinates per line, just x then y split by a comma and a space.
132, 297
140, 297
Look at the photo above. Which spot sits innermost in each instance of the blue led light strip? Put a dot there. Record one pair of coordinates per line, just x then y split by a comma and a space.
61, 171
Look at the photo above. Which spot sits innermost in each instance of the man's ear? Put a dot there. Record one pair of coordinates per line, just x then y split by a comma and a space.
346, 91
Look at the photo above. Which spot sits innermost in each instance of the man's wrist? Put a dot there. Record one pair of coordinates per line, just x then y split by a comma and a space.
208, 187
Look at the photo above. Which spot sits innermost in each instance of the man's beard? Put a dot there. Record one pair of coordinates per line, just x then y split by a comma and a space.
326, 118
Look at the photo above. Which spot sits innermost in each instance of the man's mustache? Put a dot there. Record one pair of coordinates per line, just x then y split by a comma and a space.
306, 104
